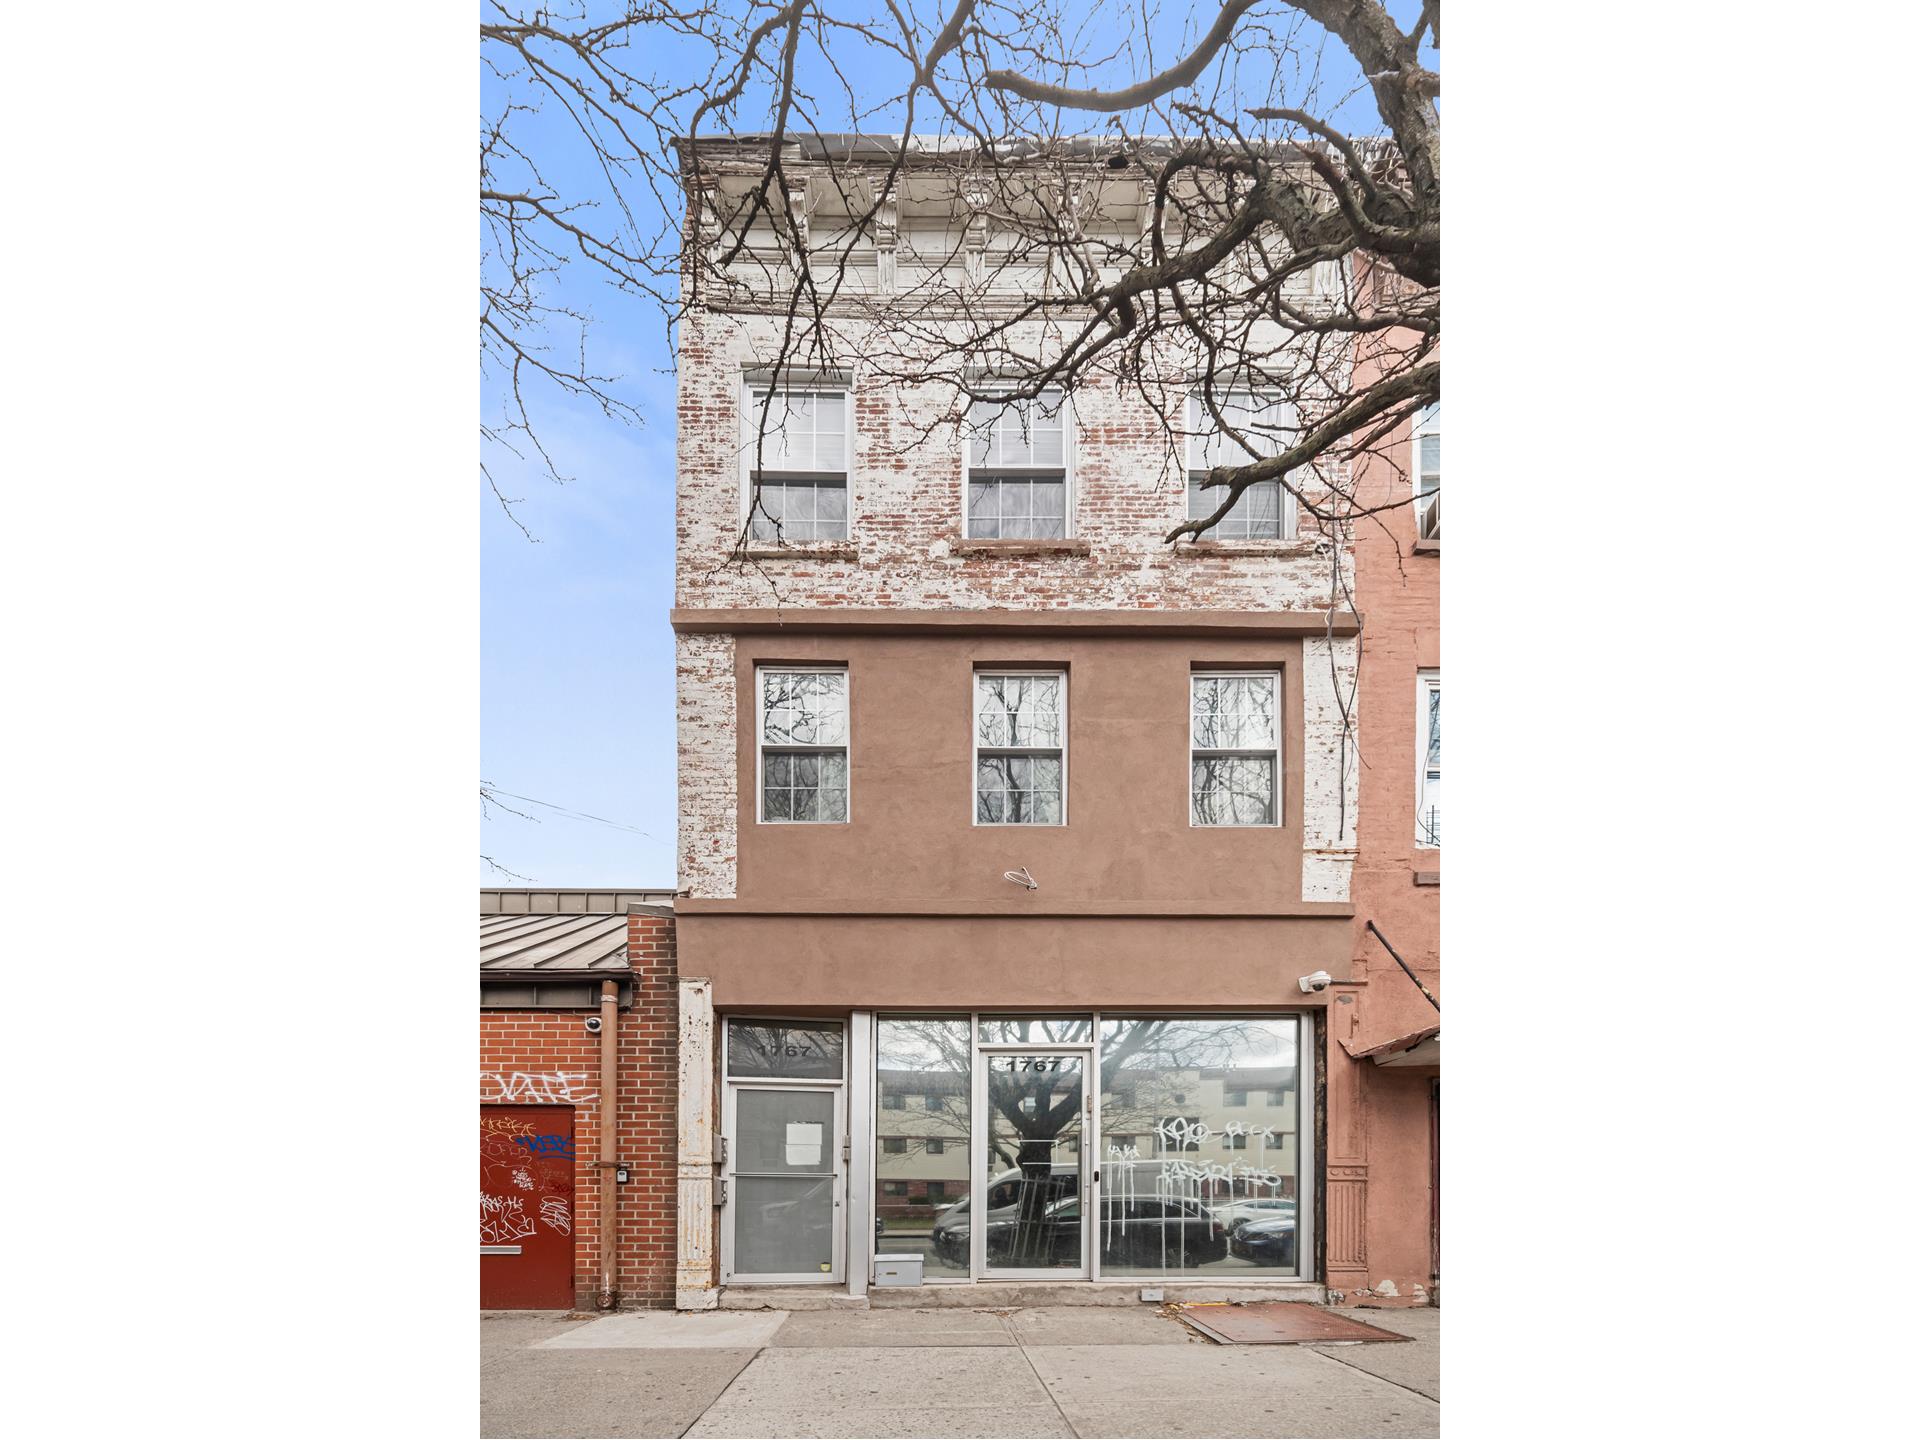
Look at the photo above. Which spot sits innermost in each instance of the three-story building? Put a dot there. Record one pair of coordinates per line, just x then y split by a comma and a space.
1017, 845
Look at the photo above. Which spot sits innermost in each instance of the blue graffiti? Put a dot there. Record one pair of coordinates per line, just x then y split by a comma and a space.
558, 1146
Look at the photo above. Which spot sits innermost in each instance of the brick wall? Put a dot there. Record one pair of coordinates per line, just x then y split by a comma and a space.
1331, 799
561, 1063
709, 786
906, 506
649, 1115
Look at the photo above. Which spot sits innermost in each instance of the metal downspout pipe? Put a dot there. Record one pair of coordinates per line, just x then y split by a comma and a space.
609, 1296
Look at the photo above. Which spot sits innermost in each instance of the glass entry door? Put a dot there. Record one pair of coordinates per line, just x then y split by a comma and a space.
1032, 1223
783, 1183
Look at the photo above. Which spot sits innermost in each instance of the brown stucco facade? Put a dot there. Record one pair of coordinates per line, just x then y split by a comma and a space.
907, 904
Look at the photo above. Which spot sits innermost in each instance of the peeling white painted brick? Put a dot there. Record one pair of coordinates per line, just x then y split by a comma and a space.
709, 792
1330, 794
906, 502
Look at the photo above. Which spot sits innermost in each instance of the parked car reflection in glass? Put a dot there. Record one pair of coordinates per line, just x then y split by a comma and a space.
1236, 1213
1265, 1242
952, 1228
1147, 1230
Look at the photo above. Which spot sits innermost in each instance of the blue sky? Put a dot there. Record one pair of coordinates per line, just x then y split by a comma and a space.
576, 667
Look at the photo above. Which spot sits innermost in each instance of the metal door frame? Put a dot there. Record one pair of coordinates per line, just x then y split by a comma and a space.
838, 1150
1089, 1081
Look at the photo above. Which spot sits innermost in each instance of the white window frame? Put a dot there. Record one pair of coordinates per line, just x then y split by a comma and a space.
1289, 506
1279, 747
974, 784
749, 433
1068, 431
1425, 502
760, 671
1427, 682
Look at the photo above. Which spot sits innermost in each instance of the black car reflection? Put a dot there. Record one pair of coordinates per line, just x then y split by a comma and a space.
1009, 1196
1265, 1242
1135, 1231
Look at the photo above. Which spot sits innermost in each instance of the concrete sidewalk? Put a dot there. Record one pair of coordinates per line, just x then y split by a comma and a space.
1071, 1371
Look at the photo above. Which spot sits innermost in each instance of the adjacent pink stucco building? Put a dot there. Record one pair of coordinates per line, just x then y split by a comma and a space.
1383, 1055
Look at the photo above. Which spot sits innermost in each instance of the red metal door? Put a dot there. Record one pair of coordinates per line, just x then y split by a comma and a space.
526, 1207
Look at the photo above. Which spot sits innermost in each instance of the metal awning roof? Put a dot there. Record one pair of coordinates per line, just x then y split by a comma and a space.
1419, 1048
557, 945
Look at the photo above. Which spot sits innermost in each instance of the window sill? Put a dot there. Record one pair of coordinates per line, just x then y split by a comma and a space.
1284, 549
1022, 547
1426, 877
1427, 547
824, 550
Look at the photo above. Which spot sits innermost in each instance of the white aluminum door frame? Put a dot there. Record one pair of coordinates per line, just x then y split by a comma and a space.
839, 1150
730, 1131
981, 1127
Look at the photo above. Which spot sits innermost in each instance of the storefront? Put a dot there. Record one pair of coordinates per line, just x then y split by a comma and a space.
1121, 1147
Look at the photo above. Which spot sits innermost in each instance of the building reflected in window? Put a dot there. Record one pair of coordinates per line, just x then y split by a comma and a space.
921, 1169
1201, 1155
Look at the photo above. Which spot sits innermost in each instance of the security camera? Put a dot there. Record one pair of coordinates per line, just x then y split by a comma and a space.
1317, 981
593, 1024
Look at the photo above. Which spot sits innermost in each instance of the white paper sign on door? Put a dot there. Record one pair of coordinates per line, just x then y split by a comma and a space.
803, 1146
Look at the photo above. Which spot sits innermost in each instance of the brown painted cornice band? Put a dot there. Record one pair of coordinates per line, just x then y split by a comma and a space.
864, 910
816, 620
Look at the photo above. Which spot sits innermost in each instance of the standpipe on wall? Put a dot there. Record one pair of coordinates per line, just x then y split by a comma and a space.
609, 1296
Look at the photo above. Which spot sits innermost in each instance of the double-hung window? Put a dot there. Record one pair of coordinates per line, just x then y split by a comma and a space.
1259, 424
1236, 749
797, 466
1020, 748
1426, 825
803, 744
1017, 469
1426, 472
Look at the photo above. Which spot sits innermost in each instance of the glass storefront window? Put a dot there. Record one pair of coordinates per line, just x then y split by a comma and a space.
921, 1168
1197, 1137
1036, 1029
1200, 1150
786, 1049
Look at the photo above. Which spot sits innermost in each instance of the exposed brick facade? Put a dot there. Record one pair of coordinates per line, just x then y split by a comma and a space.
649, 1090
906, 507
541, 1043
709, 790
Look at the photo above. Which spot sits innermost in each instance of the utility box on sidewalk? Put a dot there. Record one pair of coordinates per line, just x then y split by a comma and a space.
896, 1269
